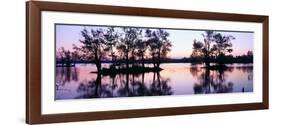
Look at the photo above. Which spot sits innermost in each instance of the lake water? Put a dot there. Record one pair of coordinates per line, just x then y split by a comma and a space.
175, 79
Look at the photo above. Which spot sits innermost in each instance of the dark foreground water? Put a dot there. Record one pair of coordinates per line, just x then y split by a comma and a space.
175, 79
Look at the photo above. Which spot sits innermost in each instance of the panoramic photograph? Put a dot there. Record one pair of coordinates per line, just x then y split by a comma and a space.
117, 61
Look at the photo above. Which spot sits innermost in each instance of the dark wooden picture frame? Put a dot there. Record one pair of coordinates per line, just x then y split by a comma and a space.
33, 61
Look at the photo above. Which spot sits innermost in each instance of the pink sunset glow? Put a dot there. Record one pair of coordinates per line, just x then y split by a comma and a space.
67, 35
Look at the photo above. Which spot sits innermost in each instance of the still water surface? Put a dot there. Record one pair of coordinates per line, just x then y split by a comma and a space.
175, 79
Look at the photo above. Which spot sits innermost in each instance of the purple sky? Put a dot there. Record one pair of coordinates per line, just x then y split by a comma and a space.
67, 35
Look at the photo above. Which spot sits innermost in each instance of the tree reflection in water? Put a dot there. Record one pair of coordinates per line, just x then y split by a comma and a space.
65, 75
94, 89
76, 82
131, 85
211, 81
248, 70
160, 86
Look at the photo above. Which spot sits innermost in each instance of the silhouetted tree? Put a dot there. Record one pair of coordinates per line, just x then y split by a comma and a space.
223, 46
75, 55
159, 45
127, 44
64, 57
214, 45
111, 36
197, 53
93, 44
250, 53
142, 47
204, 49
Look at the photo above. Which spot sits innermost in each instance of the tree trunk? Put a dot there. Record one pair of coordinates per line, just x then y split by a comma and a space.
158, 59
113, 60
220, 59
133, 60
207, 61
142, 79
127, 61
142, 60
154, 62
152, 59
98, 63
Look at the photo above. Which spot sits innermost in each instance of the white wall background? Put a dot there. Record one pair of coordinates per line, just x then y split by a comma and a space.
12, 61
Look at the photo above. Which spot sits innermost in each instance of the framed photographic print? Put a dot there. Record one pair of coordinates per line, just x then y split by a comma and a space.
93, 62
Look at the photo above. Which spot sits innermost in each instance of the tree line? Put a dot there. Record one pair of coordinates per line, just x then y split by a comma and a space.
126, 47
130, 47
217, 48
